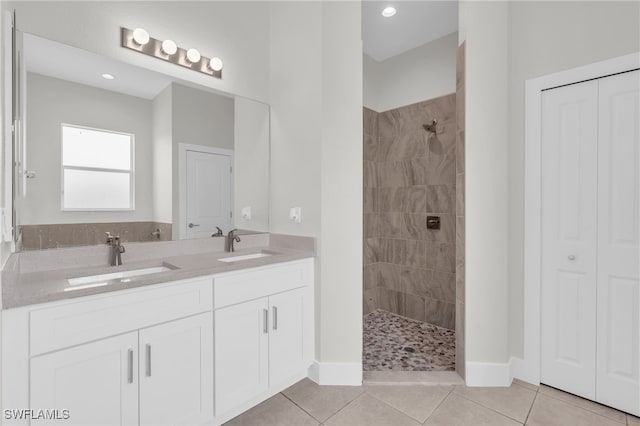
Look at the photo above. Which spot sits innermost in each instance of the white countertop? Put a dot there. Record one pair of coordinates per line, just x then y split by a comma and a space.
22, 287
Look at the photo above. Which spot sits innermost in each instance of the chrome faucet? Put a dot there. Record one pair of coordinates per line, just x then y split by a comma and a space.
231, 237
116, 249
218, 233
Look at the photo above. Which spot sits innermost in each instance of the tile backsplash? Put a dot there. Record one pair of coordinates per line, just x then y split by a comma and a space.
46, 236
410, 174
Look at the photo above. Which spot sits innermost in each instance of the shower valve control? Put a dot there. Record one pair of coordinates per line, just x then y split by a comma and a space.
433, 222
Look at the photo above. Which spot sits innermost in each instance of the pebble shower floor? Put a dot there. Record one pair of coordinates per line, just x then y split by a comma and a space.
393, 342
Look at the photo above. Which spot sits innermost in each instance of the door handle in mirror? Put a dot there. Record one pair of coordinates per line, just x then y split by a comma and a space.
191, 225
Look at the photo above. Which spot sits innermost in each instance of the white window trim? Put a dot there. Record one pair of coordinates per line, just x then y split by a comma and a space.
131, 172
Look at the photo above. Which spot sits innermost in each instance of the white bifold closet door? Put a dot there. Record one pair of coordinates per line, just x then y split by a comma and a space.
590, 322
618, 267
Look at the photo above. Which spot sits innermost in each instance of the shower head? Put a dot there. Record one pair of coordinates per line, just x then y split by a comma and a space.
431, 128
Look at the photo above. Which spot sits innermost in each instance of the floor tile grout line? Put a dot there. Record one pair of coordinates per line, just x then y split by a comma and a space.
418, 385
320, 421
526, 419
506, 415
439, 405
350, 402
585, 408
489, 408
392, 407
305, 411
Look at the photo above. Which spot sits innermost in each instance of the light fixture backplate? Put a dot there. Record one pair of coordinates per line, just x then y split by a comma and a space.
154, 48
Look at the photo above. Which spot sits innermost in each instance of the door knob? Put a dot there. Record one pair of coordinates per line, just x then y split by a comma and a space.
572, 257
191, 225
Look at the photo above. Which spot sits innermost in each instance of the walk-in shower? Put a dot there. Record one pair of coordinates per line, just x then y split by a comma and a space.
409, 264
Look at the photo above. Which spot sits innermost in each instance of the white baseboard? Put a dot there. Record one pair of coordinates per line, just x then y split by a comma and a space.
488, 374
336, 373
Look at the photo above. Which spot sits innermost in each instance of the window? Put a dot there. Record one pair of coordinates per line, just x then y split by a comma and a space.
97, 169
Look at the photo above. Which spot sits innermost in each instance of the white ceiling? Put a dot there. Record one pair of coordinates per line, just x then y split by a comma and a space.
416, 22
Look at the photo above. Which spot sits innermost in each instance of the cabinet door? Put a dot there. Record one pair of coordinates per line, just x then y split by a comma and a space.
286, 335
97, 382
176, 372
241, 353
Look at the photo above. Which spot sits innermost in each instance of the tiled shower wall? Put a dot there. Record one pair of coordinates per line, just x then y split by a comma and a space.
460, 197
410, 174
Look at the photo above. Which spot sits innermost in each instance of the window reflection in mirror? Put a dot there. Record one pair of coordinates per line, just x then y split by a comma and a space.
97, 169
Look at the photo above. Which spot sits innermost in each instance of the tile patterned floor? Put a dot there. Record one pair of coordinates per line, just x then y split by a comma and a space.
307, 403
393, 342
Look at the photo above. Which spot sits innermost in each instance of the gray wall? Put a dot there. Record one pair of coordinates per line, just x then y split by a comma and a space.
251, 164
202, 118
426, 72
162, 156
51, 102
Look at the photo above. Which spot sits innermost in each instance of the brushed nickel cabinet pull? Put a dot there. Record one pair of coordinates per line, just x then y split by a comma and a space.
130, 366
148, 360
275, 317
265, 320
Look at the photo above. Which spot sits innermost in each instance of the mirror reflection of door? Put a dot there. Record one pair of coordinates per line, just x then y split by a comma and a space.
208, 191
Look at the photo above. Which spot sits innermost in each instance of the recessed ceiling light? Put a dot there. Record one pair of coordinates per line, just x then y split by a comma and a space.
389, 11
107, 76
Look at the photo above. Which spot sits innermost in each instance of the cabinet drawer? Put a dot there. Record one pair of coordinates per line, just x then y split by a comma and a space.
78, 322
233, 288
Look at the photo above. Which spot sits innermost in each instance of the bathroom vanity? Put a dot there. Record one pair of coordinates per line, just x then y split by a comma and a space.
198, 342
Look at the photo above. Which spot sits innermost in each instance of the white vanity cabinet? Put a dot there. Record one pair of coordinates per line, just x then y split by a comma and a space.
176, 377
142, 356
241, 355
99, 382
197, 351
262, 344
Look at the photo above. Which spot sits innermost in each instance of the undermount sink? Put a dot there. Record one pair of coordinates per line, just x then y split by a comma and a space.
244, 257
122, 276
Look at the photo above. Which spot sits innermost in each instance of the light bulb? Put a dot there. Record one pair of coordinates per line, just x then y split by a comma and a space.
140, 36
193, 56
169, 47
389, 11
215, 63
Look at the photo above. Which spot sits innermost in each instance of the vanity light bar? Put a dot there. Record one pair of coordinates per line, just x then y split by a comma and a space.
188, 58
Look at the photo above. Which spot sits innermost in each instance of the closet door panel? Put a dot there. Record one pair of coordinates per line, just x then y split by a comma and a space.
568, 320
618, 323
